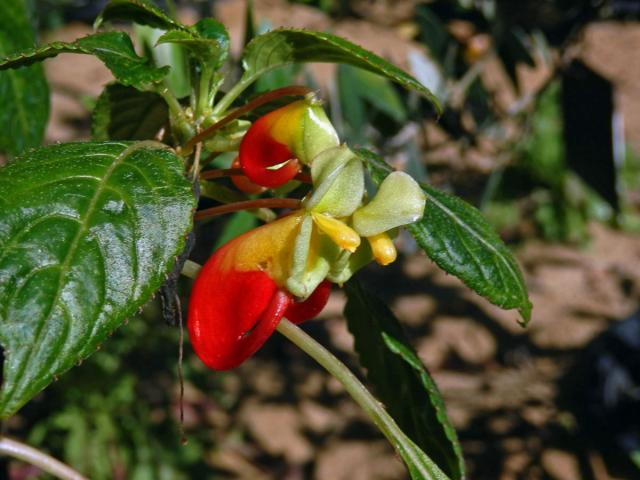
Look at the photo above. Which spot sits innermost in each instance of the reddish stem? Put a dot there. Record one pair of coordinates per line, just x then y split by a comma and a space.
292, 203
293, 91
221, 172
237, 172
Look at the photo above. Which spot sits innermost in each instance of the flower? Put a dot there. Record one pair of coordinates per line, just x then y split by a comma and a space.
240, 297
275, 145
285, 268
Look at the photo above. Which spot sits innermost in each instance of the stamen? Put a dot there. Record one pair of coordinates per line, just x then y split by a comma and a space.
341, 234
383, 249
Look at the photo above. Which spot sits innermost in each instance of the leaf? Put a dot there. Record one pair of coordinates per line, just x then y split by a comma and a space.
124, 113
455, 235
24, 94
284, 46
113, 48
238, 223
143, 12
401, 380
207, 40
88, 232
174, 56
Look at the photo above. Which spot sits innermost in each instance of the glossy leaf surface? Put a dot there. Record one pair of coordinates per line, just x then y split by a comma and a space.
24, 94
88, 232
285, 46
124, 113
113, 48
456, 236
401, 380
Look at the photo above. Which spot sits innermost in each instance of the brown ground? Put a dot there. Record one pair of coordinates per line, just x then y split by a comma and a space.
499, 381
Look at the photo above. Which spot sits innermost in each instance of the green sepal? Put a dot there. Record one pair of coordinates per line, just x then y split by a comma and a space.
399, 201
338, 178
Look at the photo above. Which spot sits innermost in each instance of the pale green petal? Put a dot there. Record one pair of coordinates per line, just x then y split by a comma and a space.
399, 201
318, 135
338, 179
311, 261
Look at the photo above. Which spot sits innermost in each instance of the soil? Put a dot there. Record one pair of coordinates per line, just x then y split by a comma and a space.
500, 381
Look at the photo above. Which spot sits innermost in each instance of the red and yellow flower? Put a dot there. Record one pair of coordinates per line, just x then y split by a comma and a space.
285, 268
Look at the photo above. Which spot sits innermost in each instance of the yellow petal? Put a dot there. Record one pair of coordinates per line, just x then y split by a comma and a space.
341, 234
266, 248
382, 248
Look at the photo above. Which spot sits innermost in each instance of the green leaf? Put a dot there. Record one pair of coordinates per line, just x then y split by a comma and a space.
456, 236
374, 89
24, 94
238, 223
113, 48
285, 46
143, 12
207, 40
401, 380
88, 232
124, 113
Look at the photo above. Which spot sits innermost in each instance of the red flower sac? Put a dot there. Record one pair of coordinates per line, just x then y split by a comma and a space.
277, 144
236, 301
265, 156
299, 312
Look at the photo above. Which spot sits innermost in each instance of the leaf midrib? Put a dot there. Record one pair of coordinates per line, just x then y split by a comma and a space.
64, 267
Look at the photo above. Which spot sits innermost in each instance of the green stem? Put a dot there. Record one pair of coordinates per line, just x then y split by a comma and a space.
172, 102
40, 459
372, 407
203, 91
226, 101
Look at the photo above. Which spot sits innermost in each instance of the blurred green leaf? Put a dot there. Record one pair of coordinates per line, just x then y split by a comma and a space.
358, 87
284, 46
456, 236
24, 94
113, 48
88, 232
124, 113
237, 224
169, 55
400, 379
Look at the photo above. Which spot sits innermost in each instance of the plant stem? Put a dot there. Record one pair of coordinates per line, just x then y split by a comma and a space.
226, 101
372, 407
237, 172
293, 91
172, 102
292, 203
40, 459
203, 91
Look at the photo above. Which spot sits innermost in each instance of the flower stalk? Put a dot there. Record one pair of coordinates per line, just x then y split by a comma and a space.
33, 456
292, 203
